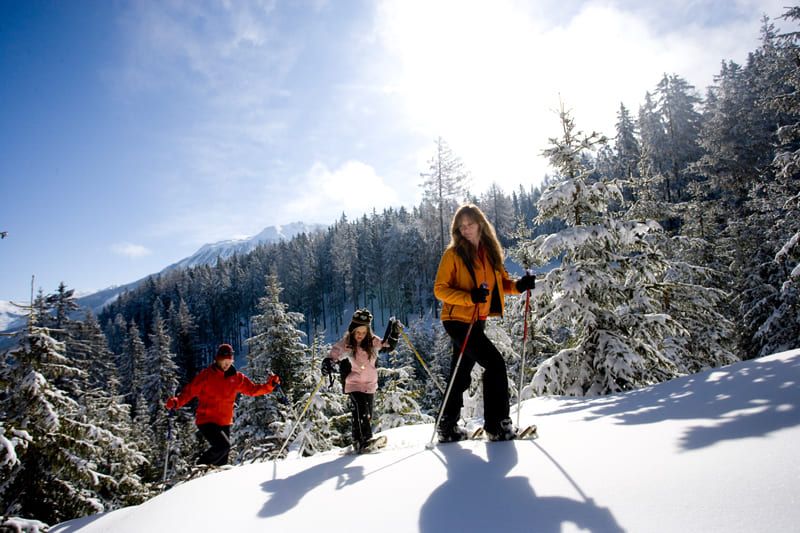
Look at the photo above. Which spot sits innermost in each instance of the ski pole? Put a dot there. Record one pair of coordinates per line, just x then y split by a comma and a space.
524, 339
433, 378
453, 377
286, 401
302, 413
169, 441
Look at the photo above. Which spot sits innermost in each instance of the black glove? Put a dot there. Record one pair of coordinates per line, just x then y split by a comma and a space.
479, 294
327, 366
392, 334
528, 281
397, 327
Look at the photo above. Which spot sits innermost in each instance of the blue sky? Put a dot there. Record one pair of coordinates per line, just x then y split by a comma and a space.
132, 133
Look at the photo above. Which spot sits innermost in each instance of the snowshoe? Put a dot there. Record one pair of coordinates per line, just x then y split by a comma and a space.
451, 433
530, 432
506, 431
369, 445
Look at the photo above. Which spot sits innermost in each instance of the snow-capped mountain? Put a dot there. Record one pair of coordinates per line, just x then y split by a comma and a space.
208, 254
9, 315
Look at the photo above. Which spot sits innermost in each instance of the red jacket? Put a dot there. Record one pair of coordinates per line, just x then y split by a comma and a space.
216, 392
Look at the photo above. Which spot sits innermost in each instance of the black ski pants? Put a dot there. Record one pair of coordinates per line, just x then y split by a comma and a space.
219, 437
479, 350
361, 405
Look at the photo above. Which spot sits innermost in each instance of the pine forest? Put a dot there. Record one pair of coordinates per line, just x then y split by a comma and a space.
665, 247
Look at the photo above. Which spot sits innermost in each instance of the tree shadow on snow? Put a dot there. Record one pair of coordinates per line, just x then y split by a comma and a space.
478, 496
746, 399
286, 492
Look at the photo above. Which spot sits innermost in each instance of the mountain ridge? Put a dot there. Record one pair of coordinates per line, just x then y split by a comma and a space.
207, 254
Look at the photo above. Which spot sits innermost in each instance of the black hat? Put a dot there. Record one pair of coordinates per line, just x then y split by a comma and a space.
362, 317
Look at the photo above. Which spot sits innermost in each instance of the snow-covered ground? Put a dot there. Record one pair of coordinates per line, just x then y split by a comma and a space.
716, 451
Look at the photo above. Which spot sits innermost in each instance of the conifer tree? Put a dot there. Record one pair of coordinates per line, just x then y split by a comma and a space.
772, 313
59, 476
275, 347
396, 402
611, 291
444, 184
160, 381
185, 342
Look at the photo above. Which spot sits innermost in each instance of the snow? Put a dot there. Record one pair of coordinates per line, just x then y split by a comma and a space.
714, 451
10, 315
208, 254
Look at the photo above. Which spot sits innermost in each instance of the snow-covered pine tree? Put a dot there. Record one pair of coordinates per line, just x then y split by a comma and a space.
144, 437
275, 347
676, 103
538, 346
626, 146
499, 210
436, 350
396, 402
58, 477
130, 363
160, 381
444, 185
653, 165
331, 422
104, 407
612, 288
776, 209
184, 341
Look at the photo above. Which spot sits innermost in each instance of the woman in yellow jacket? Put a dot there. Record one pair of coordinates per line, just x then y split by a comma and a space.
471, 283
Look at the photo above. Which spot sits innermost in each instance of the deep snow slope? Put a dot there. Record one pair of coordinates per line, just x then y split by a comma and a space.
716, 451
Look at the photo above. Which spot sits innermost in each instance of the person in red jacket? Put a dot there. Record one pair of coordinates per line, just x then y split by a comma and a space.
216, 388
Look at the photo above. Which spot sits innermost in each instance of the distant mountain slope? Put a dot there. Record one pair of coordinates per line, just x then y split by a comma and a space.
9, 314
208, 254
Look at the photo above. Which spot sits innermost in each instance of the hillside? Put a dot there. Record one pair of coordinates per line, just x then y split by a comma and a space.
714, 451
208, 254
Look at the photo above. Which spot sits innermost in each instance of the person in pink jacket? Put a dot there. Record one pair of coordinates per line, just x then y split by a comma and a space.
357, 354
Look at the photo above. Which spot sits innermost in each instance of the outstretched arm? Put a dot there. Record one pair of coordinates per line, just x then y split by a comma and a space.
189, 391
246, 385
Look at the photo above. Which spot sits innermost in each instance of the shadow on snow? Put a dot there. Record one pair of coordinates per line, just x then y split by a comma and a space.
478, 496
746, 399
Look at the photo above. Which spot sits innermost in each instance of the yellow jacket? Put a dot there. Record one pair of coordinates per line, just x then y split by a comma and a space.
454, 284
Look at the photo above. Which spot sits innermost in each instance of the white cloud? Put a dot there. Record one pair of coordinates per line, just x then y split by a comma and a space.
127, 249
489, 77
322, 195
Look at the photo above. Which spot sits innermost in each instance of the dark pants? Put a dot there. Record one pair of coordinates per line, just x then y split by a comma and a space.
219, 439
361, 404
479, 350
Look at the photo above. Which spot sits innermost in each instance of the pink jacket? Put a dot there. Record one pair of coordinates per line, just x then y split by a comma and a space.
363, 376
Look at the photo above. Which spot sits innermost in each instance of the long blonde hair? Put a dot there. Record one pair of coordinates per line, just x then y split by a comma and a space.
488, 237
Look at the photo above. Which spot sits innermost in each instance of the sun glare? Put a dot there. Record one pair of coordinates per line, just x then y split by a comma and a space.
467, 73
490, 77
